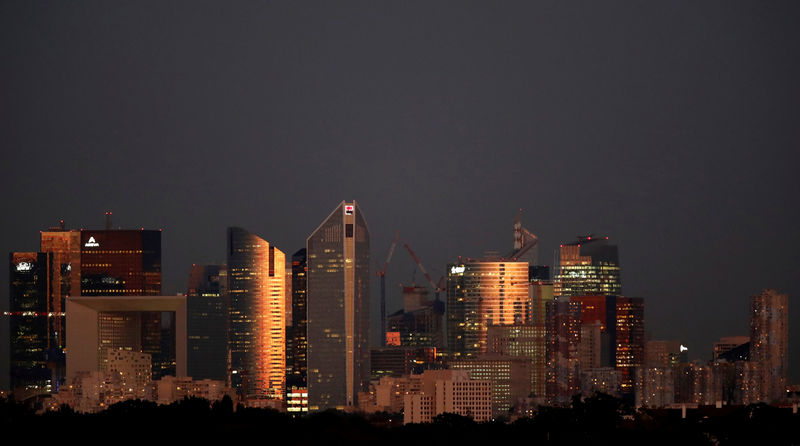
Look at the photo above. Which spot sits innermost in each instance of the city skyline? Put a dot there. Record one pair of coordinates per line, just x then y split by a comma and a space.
668, 127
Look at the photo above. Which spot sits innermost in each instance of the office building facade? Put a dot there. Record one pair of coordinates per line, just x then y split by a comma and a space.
769, 342
588, 266
120, 262
31, 343
207, 325
480, 294
337, 302
257, 316
296, 345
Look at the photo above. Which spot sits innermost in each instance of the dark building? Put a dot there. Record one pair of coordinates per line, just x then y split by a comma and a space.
419, 323
563, 338
120, 263
33, 367
207, 323
338, 309
589, 265
296, 344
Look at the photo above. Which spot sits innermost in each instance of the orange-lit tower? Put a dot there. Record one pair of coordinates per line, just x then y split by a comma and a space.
64, 247
257, 316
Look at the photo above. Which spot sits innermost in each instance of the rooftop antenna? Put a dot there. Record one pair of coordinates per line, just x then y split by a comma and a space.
108, 220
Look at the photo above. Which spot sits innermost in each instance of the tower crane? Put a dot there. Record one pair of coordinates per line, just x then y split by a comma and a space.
382, 274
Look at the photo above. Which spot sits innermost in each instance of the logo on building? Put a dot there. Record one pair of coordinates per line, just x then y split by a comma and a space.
457, 269
348, 209
24, 266
92, 243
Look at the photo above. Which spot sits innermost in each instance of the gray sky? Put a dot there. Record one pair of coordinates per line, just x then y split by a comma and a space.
672, 127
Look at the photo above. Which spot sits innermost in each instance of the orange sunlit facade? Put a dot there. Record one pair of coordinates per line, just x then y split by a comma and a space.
65, 275
257, 315
480, 294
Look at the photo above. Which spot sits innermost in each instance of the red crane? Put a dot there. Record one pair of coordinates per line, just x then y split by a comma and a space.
436, 288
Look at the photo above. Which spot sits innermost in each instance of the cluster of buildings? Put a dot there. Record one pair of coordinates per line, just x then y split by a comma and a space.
501, 336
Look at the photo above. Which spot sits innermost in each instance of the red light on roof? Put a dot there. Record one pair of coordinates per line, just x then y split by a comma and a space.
589, 238
606, 238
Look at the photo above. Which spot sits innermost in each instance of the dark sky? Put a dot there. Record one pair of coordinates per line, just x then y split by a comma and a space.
672, 127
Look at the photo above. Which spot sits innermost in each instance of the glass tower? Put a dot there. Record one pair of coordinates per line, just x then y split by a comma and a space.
207, 323
338, 309
28, 324
120, 262
480, 294
296, 354
257, 317
588, 266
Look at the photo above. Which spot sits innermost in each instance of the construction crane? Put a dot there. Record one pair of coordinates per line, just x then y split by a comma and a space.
382, 274
436, 288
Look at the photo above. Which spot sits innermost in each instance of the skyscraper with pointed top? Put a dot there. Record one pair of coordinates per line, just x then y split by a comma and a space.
338, 309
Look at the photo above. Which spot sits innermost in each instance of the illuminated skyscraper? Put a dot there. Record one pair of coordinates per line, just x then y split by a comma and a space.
257, 317
207, 324
28, 323
588, 266
769, 342
622, 332
338, 309
482, 293
120, 262
64, 247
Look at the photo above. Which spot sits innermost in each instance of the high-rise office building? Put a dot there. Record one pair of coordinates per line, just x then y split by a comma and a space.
31, 341
120, 262
207, 324
338, 309
257, 318
526, 341
296, 345
622, 332
769, 342
588, 266
481, 293
65, 275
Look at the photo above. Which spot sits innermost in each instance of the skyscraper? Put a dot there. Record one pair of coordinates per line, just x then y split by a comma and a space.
207, 323
257, 317
769, 342
622, 332
588, 266
28, 323
296, 354
64, 247
481, 293
338, 309
120, 262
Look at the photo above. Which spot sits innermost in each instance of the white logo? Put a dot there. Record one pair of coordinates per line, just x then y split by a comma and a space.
91, 243
348, 209
457, 269
24, 266
683, 349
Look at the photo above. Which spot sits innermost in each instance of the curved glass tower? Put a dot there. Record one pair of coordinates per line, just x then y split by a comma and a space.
337, 301
256, 316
